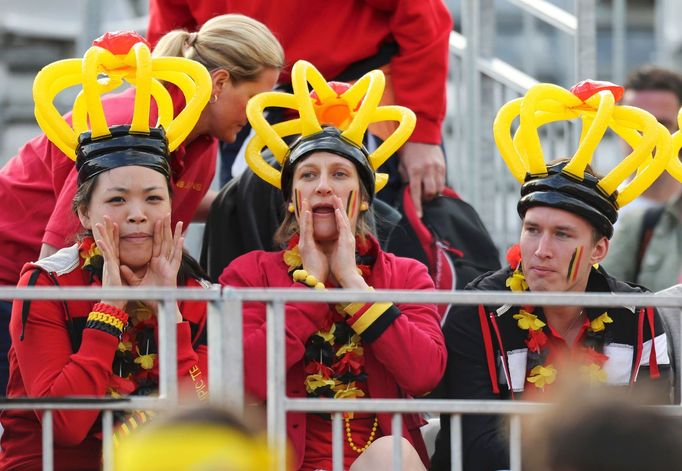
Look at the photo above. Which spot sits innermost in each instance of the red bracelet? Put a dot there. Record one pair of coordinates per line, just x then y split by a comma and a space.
112, 311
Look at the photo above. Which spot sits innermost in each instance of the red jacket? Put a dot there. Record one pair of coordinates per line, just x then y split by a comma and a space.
406, 359
38, 184
334, 35
46, 364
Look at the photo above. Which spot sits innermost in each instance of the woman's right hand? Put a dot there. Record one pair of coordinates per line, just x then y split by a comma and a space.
106, 237
314, 261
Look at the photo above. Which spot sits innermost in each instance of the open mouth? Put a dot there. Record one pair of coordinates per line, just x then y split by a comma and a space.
323, 209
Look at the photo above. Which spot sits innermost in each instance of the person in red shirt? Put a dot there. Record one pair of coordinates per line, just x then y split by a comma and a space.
344, 40
347, 350
37, 185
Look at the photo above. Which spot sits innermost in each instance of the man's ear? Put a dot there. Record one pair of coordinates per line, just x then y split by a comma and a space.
599, 251
84, 218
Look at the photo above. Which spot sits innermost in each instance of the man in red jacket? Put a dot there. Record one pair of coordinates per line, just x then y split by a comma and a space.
406, 38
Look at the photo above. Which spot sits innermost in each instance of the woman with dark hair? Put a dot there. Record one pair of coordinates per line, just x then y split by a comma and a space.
38, 184
348, 350
106, 348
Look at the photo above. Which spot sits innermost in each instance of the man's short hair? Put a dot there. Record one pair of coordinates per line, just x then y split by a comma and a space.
654, 78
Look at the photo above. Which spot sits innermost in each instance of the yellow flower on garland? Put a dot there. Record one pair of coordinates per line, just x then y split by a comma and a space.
347, 391
93, 251
517, 282
542, 375
146, 361
292, 257
125, 346
526, 321
349, 347
597, 325
594, 373
312, 382
328, 336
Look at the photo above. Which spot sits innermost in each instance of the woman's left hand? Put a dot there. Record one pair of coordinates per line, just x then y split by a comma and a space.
163, 267
342, 259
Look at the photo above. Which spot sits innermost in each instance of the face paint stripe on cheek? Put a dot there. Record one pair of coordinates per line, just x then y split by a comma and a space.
352, 204
297, 203
574, 264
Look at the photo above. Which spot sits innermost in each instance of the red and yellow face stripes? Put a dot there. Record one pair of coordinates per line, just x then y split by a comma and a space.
297, 203
352, 204
574, 264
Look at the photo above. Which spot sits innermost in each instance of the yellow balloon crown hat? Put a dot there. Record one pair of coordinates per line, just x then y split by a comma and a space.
113, 59
675, 166
566, 185
333, 117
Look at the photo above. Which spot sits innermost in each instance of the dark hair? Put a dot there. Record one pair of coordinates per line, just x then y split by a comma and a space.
615, 436
651, 77
189, 267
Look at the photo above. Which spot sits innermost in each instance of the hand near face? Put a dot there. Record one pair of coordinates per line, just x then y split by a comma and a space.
313, 259
106, 236
342, 258
166, 257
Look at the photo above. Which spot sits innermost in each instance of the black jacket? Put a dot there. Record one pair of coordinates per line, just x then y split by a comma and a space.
470, 374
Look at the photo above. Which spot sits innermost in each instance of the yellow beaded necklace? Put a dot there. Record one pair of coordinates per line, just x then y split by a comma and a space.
349, 436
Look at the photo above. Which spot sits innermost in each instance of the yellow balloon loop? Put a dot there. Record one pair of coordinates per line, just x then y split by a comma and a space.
595, 132
595, 104
674, 165
349, 108
105, 66
143, 84
93, 103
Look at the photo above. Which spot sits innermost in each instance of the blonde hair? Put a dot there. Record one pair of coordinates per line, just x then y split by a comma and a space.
239, 44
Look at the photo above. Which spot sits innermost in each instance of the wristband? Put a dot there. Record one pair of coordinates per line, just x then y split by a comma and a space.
108, 319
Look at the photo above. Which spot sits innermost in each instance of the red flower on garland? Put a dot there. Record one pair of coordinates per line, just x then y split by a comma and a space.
350, 362
320, 368
536, 340
514, 256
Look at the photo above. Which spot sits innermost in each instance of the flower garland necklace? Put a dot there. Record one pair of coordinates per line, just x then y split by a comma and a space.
134, 359
542, 371
334, 355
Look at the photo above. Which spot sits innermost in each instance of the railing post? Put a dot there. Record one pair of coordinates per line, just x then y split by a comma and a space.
515, 443
456, 455
586, 40
168, 351
226, 352
472, 83
397, 432
337, 441
48, 441
276, 389
107, 440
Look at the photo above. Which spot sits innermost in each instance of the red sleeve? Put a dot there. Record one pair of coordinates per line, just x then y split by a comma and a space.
192, 349
63, 223
49, 368
406, 338
192, 364
419, 70
167, 15
302, 320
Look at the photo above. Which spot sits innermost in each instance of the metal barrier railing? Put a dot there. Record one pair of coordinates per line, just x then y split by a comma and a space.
225, 358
